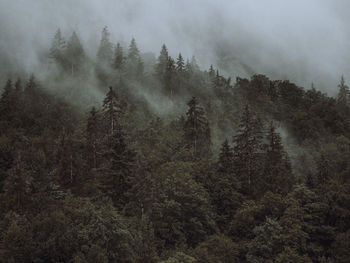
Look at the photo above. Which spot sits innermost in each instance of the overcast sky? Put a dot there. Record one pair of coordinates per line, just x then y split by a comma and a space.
302, 40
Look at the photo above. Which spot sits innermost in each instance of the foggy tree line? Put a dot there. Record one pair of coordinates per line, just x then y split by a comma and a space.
218, 182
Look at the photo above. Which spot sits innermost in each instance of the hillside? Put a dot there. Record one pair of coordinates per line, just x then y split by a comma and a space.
123, 158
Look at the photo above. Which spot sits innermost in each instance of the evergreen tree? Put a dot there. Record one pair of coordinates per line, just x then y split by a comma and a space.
75, 54
169, 78
197, 131
344, 93
211, 71
134, 63
92, 135
224, 188
112, 111
247, 151
180, 64
225, 163
277, 172
57, 49
7, 101
118, 57
105, 50
117, 174
133, 52
162, 63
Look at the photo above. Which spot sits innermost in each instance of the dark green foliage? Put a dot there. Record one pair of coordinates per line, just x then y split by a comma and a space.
278, 175
76, 230
248, 152
197, 131
118, 57
75, 54
142, 179
217, 248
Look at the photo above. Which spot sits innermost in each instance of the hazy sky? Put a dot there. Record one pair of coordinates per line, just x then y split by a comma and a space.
303, 41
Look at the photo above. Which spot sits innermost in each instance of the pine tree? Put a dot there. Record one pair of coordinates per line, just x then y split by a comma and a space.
278, 176
105, 50
197, 131
162, 63
112, 111
247, 151
225, 163
116, 178
211, 71
118, 57
134, 62
343, 94
133, 52
57, 49
224, 187
194, 64
75, 54
169, 78
92, 135
7, 101
180, 64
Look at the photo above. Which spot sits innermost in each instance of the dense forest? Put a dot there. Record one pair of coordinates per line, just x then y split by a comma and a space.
172, 164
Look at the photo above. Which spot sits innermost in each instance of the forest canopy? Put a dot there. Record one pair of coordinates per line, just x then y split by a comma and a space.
172, 163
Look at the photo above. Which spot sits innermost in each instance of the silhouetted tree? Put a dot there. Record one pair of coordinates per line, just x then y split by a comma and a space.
197, 131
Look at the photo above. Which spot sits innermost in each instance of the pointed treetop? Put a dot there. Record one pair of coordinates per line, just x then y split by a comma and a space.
105, 51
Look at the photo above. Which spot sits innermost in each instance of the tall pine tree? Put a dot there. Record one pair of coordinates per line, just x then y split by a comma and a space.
197, 131
248, 152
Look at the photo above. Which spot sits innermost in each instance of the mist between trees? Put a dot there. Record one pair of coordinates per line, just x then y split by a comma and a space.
132, 157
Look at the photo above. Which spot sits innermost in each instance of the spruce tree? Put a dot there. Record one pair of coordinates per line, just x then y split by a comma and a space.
169, 78
343, 94
247, 151
75, 54
105, 50
225, 163
118, 57
117, 174
180, 64
7, 101
134, 62
57, 49
197, 131
92, 135
224, 187
162, 63
112, 111
278, 176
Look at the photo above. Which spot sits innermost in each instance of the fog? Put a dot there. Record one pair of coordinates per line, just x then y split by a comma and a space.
304, 41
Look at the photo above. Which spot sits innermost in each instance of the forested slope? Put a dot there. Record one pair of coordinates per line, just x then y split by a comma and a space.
171, 164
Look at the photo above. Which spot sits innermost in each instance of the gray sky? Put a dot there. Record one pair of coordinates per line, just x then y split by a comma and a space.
300, 40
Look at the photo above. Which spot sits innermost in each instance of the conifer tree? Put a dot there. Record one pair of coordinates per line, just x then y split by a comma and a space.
196, 130
92, 134
277, 172
211, 71
134, 62
7, 101
118, 57
112, 111
116, 177
344, 93
247, 151
225, 163
57, 49
224, 187
169, 77
75, 54
162, 63
105, 50
180, 64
